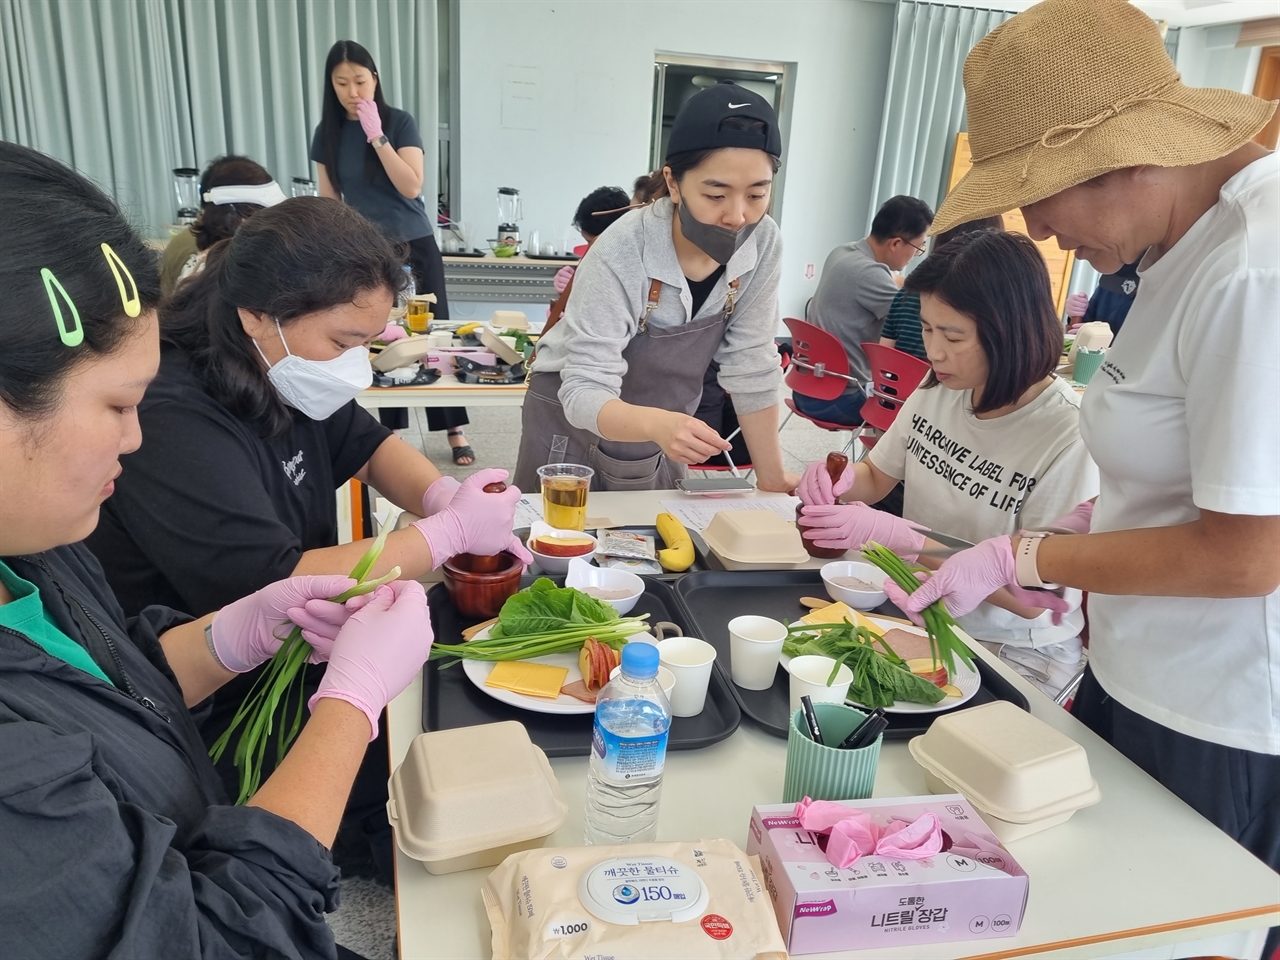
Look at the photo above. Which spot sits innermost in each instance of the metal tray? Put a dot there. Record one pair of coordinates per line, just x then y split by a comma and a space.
450, 700
703, 558
713, 598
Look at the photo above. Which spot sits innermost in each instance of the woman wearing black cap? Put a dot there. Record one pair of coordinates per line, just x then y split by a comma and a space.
667, 289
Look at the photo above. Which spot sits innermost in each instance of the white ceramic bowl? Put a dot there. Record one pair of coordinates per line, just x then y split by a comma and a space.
666, 679
858, 599
582, 574
556, 565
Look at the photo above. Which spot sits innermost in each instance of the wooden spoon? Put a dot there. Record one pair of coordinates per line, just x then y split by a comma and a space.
814, 603
469, 633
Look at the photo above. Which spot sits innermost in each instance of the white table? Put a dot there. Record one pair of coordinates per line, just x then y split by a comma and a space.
1137, 875
445, 392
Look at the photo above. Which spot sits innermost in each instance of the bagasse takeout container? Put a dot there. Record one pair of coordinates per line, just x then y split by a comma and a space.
1021, 774
469, 797
754, 540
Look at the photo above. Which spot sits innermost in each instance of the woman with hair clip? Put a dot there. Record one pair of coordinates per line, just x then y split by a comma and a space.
691, 278
989, 444
369, 155
252, 425
118, 836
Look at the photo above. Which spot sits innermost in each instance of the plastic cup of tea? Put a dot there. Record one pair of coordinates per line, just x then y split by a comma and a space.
690, 659
754, 646
564, 494
809, 677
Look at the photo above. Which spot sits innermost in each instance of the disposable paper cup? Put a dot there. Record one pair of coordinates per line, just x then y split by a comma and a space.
809, 676
754, 646
824, 772
1087, 364
690, 659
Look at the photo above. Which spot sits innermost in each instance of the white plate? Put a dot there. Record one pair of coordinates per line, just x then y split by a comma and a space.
965, 678
478, 671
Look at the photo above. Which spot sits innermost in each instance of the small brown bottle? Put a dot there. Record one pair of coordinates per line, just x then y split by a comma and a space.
836, 464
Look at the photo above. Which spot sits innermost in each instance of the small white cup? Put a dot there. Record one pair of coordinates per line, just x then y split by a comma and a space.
690, 659
809, 676
754, 646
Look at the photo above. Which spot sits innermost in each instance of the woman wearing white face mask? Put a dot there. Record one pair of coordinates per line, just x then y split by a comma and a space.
251, 425
667, 289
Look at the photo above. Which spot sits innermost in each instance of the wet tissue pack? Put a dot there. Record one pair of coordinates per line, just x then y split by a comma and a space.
965, 886
631, 901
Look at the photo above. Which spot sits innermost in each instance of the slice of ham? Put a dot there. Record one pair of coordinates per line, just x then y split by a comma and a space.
578, 690
908, 645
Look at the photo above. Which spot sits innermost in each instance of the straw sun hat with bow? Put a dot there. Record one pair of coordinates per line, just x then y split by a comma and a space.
1071, 89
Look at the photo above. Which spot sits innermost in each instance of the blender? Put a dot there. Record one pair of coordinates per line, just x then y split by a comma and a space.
186, 186
509, 214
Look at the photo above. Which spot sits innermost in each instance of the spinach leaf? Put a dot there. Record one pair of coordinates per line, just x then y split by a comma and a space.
544, 607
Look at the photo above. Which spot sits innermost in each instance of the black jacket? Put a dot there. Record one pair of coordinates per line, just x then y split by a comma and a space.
116, 838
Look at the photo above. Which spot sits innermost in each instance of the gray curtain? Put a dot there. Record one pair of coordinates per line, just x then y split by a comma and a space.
126, 90
924, 98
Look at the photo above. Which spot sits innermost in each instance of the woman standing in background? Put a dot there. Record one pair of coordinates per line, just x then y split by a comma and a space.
369, 154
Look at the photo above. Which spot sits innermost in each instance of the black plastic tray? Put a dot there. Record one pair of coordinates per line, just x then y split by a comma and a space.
450, 700
713, 598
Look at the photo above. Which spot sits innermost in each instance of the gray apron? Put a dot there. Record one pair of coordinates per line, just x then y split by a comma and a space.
665, 366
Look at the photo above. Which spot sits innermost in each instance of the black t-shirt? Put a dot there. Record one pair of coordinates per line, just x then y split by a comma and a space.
701, 289
206, 511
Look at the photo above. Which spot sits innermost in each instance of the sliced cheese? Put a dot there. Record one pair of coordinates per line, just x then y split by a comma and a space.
841, 611
531, 679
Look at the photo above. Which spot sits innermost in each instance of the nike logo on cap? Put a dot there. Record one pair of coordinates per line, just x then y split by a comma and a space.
735, 106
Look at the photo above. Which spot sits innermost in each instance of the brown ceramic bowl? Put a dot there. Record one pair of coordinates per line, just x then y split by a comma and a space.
477, 590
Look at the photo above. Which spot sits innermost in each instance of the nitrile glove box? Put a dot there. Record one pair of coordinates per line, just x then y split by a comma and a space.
972, 890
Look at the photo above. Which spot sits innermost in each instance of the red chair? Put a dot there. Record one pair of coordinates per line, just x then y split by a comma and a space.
819, 369
895, 376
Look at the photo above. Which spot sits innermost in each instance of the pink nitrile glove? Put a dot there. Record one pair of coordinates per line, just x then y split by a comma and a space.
438, 495
1077, 304
1078, 520
249, 631
393, 332
815, 485
321, 620
850, 525
967, 578
916, 840
370, 119
379, 650
475, 521
562, 278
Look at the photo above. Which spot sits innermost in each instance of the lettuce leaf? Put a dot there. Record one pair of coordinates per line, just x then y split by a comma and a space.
544, 607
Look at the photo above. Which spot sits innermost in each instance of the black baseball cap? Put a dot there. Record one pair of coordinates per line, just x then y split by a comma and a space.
700, 123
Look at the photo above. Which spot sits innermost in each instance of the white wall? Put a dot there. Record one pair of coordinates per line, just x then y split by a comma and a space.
578, 76
1208, 57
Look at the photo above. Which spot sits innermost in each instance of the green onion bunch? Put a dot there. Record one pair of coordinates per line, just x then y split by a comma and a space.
938, 623
282, 679
566, 640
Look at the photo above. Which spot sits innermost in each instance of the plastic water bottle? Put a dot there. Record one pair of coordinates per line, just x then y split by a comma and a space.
628, 750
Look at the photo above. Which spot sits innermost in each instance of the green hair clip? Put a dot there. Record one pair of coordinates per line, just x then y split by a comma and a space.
132, 302
72, 335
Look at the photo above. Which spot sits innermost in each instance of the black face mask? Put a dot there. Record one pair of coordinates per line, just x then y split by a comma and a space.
718, 243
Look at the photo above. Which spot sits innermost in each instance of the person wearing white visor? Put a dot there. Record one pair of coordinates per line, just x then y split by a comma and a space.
252, 425
1180, 552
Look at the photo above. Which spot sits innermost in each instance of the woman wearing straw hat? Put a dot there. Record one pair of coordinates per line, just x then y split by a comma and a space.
1181, 553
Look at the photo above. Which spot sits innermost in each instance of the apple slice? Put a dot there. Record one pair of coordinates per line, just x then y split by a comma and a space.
563, 546
925, 667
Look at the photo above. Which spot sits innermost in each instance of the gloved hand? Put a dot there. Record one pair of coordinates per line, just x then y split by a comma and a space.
967, 578
392, 332
249, 632
438, 495
379, 650
816, 487
475, 521
370, 119
1077, 304
850, 525
562, 278
1078, 520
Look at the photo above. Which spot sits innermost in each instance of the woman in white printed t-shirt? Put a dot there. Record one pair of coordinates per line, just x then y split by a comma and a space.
989, 444
1181, 555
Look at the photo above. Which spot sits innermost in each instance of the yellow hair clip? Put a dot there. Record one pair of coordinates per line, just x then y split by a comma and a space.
132, 304
72, 336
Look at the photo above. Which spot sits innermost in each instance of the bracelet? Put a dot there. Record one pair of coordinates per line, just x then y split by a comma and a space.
1026, 571
208, 638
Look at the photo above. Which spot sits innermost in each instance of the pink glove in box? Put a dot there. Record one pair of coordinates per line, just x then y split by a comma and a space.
971, 889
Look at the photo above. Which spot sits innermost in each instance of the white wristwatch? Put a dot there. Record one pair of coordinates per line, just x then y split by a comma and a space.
1024, 560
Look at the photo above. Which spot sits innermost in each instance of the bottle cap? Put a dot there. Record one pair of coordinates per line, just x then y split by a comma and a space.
640, 660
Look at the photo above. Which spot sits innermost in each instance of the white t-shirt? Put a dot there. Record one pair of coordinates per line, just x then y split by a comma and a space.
977, 479
1184, 415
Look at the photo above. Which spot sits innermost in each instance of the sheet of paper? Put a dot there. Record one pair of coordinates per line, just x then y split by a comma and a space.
696, 512
528, 509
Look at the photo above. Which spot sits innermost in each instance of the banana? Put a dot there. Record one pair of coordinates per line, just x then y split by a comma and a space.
679, 553
466, 328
